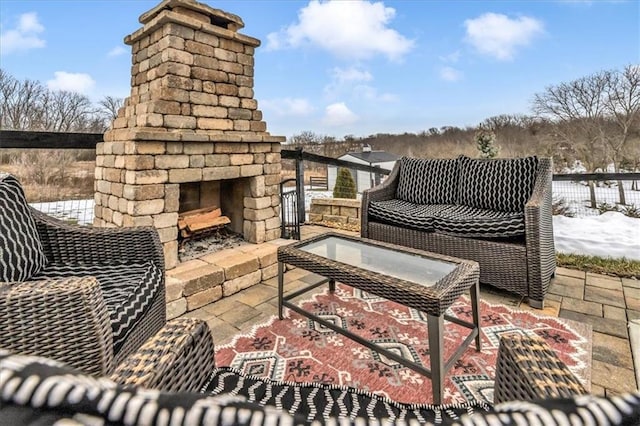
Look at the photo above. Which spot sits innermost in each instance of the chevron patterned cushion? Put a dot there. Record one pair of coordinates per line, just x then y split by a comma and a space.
407, 214
321, 402
473, 222
21, 253
128, 289
499, 184
428, 181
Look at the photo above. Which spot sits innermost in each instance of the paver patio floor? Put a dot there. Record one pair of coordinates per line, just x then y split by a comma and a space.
607, 303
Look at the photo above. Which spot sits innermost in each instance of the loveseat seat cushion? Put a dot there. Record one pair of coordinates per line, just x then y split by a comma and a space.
465, 221
129, 290
22, 255
428, 181
497, 184
406, 214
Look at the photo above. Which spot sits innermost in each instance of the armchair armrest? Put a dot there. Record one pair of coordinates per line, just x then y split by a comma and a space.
385, 191
178, 358
538, 217
528, 369
63, 242
65, 319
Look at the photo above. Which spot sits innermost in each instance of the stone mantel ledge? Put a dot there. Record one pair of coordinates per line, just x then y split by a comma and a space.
169, 16
163, 135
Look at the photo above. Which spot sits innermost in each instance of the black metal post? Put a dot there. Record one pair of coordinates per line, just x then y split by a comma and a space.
300, 185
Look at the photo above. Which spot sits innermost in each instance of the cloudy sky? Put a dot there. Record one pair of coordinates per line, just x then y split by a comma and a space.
349, 67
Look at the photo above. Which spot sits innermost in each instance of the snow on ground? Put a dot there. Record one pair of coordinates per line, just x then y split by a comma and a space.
611, 234
608, 235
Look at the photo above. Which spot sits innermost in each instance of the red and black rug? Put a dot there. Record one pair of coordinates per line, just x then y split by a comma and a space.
297, 349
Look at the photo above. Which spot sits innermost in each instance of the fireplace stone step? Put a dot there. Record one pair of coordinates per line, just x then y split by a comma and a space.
198, 282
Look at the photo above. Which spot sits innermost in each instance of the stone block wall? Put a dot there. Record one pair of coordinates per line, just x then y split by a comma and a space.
338, 210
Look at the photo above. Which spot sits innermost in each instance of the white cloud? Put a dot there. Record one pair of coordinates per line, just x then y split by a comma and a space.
339, 114
351, 74
117, 51
369, 93
24, 36
72, 82
499, 36
451, 57
450, 74
355, 29
298, 107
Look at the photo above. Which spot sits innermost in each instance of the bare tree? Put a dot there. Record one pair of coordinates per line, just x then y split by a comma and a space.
597, 114
622, 106
109, 106
577, 108
21, 103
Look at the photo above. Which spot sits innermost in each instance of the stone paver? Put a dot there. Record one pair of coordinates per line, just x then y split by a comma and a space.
631, 283
570, 272
612, 350
604, 296
594, 299
602, 325
582, 306
615, 313
612, 377
567, 286
239, 314
604, 281
259, 293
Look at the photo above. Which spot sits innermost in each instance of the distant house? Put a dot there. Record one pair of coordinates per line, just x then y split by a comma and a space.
364, 180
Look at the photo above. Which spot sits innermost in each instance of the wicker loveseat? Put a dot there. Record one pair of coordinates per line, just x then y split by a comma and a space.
496, 212
171, 380
85, 296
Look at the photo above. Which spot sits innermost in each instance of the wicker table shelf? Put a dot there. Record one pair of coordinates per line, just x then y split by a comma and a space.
417, 279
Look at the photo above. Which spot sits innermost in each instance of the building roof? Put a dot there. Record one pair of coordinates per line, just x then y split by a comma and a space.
374, 156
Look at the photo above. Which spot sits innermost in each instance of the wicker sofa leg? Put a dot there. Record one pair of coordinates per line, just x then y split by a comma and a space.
528, 369
538, 304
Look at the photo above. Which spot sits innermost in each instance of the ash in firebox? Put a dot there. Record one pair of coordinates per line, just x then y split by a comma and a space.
221, 240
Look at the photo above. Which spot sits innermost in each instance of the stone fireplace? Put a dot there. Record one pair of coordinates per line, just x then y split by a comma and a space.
190, 134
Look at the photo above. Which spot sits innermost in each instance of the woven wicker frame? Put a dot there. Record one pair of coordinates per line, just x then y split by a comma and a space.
524, 269
528, 369
177, 359
44, 317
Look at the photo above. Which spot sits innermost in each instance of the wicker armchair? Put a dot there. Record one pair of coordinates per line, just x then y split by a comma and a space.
88, 297
496, 212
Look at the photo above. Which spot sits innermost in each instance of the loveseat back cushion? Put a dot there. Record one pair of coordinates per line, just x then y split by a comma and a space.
21, 252
428, 181
497, 184
129, 289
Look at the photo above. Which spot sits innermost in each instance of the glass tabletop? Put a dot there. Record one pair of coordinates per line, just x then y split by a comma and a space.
405, 266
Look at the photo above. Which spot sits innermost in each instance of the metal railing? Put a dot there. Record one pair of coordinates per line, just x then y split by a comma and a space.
582, 194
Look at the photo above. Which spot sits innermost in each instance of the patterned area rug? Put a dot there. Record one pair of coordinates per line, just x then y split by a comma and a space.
297, 349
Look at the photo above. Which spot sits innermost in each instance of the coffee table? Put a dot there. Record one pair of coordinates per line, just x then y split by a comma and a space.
418, 279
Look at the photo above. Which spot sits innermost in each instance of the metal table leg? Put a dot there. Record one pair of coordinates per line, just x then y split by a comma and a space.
280, 288
435, 326
475, 309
